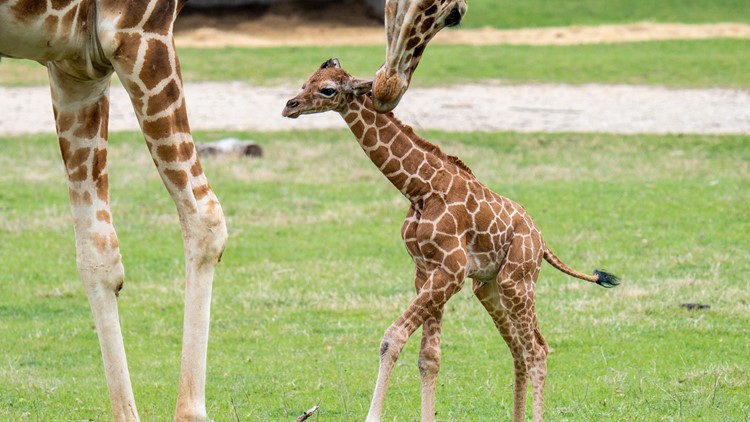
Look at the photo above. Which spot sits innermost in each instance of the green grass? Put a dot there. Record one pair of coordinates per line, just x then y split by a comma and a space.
315, 271
705, 63
537, 13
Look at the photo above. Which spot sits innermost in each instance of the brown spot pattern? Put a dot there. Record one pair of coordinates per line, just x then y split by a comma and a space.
103, 215
156, 64
178, 177
28, 10
160, 20
201, 191
196, 169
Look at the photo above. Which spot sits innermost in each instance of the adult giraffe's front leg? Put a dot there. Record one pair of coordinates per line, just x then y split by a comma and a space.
148, 66
81, 114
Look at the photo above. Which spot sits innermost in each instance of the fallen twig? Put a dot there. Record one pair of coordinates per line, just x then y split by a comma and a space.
307, 414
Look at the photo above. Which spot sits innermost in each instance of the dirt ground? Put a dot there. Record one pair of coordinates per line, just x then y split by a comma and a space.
298, 24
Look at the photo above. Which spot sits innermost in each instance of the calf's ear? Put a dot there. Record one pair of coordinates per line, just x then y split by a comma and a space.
361, 87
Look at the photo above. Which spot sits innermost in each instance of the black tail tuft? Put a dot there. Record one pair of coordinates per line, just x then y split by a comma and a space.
606, 280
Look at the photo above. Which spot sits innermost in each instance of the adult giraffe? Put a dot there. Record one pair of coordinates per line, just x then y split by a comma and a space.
82, 43
409, 26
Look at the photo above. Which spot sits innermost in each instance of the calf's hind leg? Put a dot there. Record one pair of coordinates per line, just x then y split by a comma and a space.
510, 303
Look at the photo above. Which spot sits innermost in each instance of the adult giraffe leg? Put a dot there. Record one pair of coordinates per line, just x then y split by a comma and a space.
149, 69
81, 115
439, 287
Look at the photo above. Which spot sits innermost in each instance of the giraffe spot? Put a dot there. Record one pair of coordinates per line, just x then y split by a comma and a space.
368, 115
161, 101
392, 165
178, 177
79, 157
483, 242
104, 124
50, 24
459, 189
427, 24
104, 242
181, 123
350, 117
186, 150
484, 217
370, 137
399, 179
159, 128
157, 65
84, 12
64, 148
99, 241
160, 20
165, 126
102, 187
65, 121
454, 262
86, 198
167, 153
181, 152
400, 148
103, 215
425, 172
60, 4
413, 42
89, 119
126, 54
69, 18
113, 242
79, 175
471, 203
200, 192
189, 206
99, 163
75, 197
447, 242
136, 10
196, 169
431, 10
358, 129
28, 10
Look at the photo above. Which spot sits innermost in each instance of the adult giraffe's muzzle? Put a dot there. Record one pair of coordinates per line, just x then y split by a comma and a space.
409, 26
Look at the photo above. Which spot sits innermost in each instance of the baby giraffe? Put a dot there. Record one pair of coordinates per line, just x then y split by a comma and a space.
456, 228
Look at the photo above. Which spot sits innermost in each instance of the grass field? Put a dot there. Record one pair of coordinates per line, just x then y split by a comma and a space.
536, 13
315, 271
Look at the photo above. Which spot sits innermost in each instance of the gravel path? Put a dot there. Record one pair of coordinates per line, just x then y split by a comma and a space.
487, 107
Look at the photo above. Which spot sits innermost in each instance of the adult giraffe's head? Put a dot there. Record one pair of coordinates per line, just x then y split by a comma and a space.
409, 26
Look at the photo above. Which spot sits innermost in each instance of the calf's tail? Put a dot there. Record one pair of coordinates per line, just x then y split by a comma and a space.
601, 278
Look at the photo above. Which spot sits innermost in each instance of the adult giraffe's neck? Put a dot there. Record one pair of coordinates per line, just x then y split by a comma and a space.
408, 161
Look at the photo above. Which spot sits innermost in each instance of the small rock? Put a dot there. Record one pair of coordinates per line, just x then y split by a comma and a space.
695, 306
232, 146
